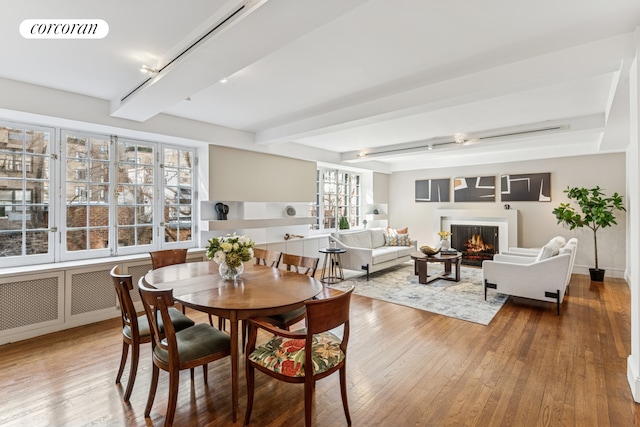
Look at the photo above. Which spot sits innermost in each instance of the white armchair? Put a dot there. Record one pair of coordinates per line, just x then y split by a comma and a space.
543, 278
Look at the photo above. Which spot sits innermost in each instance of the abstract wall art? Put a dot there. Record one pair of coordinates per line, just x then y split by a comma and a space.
432, 190
532, 187
475, 189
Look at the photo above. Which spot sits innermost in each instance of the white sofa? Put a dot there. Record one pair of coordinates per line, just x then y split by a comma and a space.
370, 250
544, 277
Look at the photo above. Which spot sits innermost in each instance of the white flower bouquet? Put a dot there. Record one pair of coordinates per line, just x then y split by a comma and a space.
230, 249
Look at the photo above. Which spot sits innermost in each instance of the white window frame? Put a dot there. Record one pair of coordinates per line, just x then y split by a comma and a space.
12, 261
319, 226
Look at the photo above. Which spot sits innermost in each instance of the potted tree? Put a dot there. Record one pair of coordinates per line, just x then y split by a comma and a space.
596, 211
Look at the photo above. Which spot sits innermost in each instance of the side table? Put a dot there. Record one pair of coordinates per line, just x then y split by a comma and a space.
335, 273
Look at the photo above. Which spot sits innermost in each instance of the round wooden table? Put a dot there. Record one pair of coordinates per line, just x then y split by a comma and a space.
260, 291
422, 261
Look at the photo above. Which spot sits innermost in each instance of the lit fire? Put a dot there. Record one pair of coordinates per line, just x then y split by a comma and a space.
476, 244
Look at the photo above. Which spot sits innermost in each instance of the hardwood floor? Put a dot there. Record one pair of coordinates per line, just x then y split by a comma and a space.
405, 367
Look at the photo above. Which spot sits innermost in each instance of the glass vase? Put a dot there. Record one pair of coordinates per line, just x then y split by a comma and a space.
228, 272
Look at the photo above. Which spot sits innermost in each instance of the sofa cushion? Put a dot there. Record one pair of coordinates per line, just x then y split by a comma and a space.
405, 251
377, 237
547, 251
397, 240
360, 239
383, 254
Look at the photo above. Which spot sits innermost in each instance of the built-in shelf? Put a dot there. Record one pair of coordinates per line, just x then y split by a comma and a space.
233, 224
376, 217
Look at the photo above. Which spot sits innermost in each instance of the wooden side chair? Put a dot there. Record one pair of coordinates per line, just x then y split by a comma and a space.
302, 265
174, 351
304, 356
135, 329
266, 257
168, 257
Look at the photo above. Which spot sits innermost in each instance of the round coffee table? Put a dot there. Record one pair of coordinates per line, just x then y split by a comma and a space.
422, 261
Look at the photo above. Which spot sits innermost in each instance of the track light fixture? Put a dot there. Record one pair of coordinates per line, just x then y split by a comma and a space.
148, 70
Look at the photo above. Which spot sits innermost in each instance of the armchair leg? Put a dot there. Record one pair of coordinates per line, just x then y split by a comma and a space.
555, 295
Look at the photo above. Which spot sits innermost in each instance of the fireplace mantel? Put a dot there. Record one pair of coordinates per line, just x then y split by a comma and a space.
505, 219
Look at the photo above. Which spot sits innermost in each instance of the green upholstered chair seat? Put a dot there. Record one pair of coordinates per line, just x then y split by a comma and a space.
286, 356
196, 342
179, 320
284, 318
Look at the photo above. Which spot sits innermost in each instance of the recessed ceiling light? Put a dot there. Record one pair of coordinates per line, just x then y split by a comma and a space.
224, 80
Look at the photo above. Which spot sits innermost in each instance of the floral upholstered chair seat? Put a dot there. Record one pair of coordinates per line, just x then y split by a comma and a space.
286, 355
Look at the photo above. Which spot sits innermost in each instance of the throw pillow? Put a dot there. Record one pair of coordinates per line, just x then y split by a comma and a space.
394, 231
397, 240
547, 251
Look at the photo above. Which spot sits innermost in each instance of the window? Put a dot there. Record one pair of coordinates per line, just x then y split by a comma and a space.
135, 189
108, 188
338, 196
25, 181
177, 166
87, 210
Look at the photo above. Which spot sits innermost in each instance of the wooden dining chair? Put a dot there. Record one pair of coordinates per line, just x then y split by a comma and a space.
174, 351
135, 329
304, 356
168, 257
171, 257
267, 257
302, 265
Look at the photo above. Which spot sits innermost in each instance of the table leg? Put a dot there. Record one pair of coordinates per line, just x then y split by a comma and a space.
421, 266
324, 268
447, 267
234, 364
458, 262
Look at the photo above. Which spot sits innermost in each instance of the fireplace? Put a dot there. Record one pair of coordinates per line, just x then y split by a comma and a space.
476, 242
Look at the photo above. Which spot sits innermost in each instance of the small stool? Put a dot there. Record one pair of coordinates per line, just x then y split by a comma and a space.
335, 274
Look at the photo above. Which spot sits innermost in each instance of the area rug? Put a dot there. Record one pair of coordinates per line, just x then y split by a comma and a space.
462, 300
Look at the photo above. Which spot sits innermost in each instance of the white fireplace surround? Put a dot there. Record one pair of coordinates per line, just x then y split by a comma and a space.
506, 220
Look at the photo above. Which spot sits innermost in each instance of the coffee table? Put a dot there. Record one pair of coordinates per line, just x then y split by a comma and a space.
422, 261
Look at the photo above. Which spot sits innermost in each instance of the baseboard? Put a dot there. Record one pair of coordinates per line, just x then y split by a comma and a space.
634, 381
610, 272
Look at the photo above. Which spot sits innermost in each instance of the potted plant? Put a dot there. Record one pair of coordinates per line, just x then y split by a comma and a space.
344, 223
596, 212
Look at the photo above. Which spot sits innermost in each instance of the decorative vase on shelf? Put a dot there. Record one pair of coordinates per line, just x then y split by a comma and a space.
228, 272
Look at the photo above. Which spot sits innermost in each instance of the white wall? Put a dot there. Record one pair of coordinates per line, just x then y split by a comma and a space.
537, 223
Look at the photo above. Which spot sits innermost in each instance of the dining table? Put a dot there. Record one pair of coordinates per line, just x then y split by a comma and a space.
260, 291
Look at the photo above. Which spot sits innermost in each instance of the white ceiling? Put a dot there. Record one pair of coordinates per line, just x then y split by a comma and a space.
355, 76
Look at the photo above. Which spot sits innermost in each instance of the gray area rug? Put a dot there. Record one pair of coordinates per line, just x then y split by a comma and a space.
462, 300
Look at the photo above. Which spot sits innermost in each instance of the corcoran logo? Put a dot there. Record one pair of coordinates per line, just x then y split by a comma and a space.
64, 29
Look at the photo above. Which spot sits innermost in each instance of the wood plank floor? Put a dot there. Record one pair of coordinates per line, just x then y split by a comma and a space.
406, 367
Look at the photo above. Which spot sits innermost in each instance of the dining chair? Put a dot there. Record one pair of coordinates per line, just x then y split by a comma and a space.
263, 257
174, 351
267, 257
135, 329
168, 257
305, 356
302, 265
